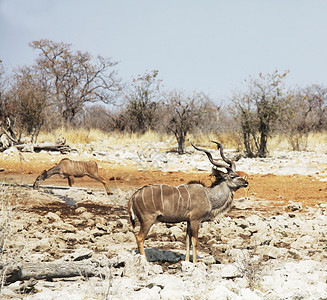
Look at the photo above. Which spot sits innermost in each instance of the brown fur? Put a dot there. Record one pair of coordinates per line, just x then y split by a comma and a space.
192, 202
71, 169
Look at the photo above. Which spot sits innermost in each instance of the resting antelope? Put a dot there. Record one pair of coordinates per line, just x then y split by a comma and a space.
192, 202
71, 168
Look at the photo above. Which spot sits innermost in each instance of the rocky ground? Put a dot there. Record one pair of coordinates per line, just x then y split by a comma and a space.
270, 246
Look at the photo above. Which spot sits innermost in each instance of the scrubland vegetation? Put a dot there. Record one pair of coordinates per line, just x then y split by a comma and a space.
232, 140
71, 92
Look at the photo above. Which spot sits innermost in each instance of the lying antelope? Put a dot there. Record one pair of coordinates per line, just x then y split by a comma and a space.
71, 168
192, 202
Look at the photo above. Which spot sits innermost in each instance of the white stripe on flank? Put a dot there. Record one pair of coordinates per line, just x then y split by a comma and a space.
163, 206
154, 205
143, 198
179, 197
172, 196
189, 198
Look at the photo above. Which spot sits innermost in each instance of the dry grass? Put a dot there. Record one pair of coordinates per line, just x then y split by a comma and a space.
230, 140
250, 265
317, 138
312, 141
6, 219
73, 136
135, 138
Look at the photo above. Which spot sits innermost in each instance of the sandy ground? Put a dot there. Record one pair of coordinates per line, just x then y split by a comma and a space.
275, 190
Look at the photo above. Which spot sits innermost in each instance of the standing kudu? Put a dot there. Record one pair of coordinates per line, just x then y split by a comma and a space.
69, 169
192, 202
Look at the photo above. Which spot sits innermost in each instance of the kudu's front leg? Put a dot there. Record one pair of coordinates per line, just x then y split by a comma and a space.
70, 180
194, 228
103, 181
192, 238
188, 241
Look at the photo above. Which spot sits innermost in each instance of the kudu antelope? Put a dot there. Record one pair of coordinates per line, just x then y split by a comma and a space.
71, 168
239, 173
192, 202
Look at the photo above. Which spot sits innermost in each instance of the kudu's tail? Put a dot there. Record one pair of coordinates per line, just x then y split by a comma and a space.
131, 213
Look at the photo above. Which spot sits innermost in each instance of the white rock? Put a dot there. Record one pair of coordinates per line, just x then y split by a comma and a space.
230, 271
173, 287
247, 294
52, 216
11, 151
222, 293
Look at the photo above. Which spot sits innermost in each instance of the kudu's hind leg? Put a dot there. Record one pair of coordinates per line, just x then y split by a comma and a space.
106, 186
188, 241
140, 236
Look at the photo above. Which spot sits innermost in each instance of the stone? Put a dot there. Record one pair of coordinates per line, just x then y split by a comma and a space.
177, 233
230, 271
155, 255
87, 216
173, 286
78, 255
65, 227
294, 206
122, 237
222, 292
271, 251
136, 266
80, 210
52, 216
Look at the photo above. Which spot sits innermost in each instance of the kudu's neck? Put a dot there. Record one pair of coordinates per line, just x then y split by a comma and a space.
219, 194
53, 171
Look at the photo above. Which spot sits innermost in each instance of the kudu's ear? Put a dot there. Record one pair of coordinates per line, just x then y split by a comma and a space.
218, 173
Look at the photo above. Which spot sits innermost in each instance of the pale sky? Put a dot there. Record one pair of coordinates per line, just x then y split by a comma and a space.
209, 46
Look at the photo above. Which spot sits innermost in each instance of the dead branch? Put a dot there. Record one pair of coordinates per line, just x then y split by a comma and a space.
47, 146
49, 270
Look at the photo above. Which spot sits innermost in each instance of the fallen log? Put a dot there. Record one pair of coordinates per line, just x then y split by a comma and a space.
49, 270
47, 146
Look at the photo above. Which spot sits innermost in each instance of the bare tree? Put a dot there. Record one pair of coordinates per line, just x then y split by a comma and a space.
76, 78
315, 97
142, 98
258, 109
305, 112
29, 96
6, 109
185, 113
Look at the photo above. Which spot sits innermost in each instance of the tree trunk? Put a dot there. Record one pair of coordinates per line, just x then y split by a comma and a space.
181, 142
49, 270
264, 129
